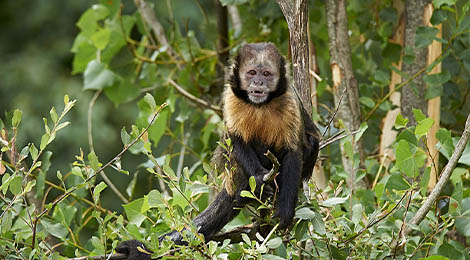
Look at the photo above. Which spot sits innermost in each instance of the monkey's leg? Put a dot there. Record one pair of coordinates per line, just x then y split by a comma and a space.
289, 181
221, 211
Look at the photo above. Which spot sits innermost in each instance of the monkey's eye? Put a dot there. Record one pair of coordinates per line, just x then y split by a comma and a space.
252, 72
266, 74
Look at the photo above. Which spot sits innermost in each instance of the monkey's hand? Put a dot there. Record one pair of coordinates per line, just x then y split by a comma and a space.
135, 250
267, 186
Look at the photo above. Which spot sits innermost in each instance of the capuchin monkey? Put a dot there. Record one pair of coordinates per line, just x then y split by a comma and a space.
261, 112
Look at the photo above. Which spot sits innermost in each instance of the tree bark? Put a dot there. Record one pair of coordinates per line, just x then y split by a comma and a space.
412, 95
296, 14
343, 78
319, 177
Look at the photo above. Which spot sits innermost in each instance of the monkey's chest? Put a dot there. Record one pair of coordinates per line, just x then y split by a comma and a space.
271, 127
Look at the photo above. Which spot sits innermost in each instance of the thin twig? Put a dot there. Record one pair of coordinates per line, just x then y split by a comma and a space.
197, 100
92, 148
334, 115
90, 123
335, 138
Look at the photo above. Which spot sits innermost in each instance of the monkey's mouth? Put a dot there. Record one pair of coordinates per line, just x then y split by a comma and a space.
258, 93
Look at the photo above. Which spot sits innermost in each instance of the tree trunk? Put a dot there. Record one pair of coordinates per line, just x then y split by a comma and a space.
296, 14
434, 104
388, 136
412, 95
343, 78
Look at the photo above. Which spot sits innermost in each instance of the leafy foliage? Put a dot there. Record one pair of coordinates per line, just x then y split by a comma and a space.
173, 138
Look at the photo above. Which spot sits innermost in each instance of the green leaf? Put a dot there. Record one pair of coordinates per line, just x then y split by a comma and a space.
157, 130
405, 160
15, 121
418, 115
318, 224
400, 122
77, 171
64, 213
101, 38
425, 35
423, 127
439, 3
464, 159
34, 152
367, 101
97, 77
7, 221
357, 213
133, 212
334, 201
362, 128
150, 101
155, 199
94, 163
62, 125
84, 54
15, 185
88, 22
56, 229
396, 182
437, 79
304, 213
445, 145
97, 191
54, 115
252, 182
247, 194
433, 91
462, 222
274, 243
44, 141
448, 250
125, 137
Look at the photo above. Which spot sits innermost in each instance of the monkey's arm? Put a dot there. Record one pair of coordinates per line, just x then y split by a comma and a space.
289, 181
246, 157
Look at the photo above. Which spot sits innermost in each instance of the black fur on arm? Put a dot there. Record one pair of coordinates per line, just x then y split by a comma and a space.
247, 158
288, 180
311, 144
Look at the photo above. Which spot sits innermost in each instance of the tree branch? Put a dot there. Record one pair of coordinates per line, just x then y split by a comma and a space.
148, 15
446, 173
196, 100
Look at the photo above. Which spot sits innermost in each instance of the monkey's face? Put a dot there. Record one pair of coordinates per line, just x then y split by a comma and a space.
259, 71
258, 80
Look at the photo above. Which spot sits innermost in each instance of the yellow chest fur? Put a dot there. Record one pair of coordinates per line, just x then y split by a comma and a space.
275, 124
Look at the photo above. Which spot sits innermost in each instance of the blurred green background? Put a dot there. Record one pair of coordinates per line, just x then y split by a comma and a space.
36, 73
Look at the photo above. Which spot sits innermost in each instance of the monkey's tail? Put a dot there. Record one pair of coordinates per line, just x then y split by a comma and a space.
221, 211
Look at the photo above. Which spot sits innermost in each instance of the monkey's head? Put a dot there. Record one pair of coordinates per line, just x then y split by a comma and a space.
259, 73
